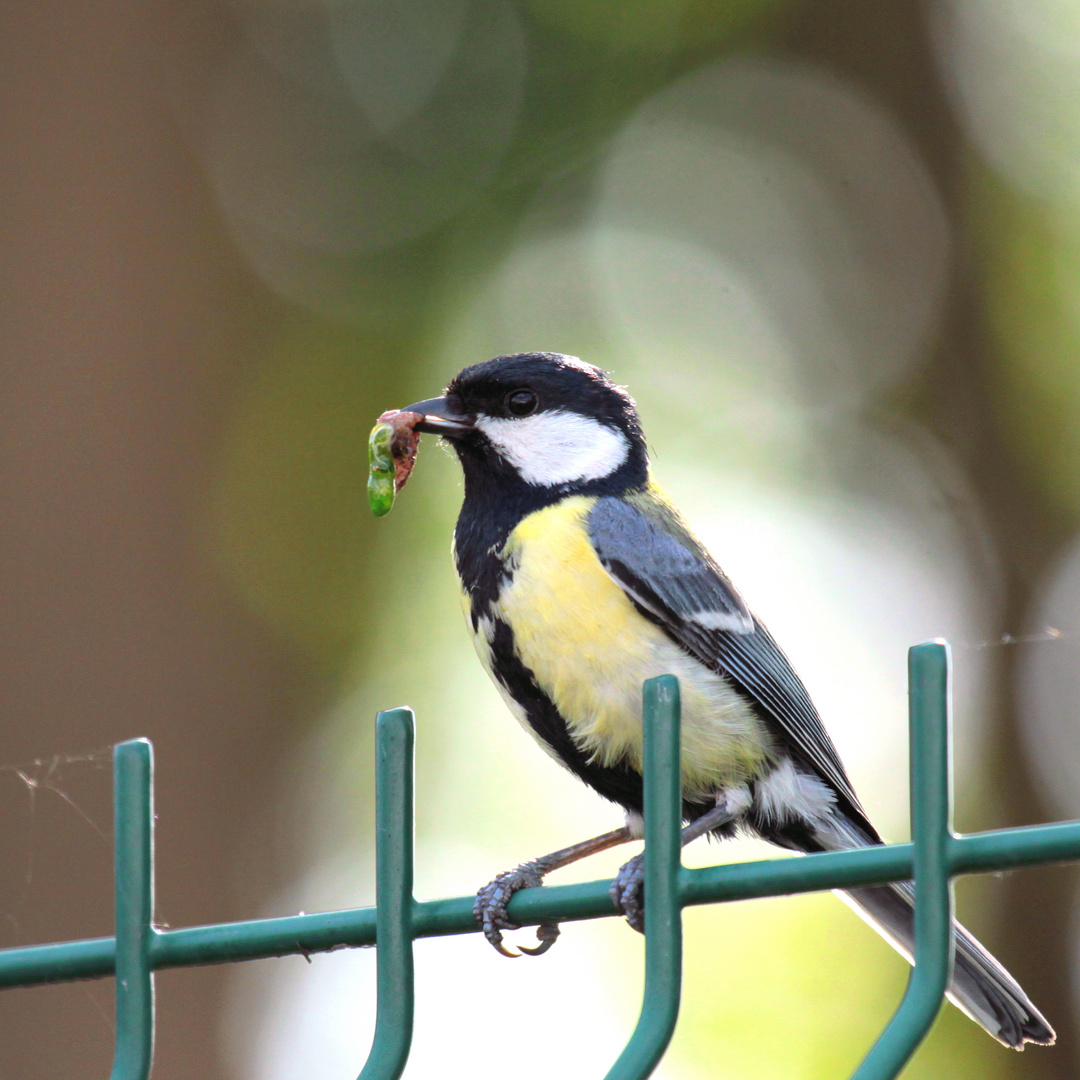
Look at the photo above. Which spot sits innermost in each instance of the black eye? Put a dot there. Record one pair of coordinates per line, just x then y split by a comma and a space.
521, 402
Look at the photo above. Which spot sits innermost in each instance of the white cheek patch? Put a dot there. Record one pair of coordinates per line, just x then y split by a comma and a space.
556, 447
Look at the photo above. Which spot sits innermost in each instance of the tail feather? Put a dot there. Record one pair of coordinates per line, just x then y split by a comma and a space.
980, 986
796, 810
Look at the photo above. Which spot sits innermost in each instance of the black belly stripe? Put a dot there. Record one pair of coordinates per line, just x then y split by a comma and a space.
620, 784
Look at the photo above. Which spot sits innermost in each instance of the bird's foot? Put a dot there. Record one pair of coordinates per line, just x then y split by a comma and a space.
489, 910
627, 892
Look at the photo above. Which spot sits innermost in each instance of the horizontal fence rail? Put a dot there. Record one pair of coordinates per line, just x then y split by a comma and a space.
932, 860
223, 943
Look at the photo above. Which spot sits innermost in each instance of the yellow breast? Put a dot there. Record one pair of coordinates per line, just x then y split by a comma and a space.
590, 651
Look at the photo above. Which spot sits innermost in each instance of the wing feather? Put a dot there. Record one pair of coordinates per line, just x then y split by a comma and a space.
674, 582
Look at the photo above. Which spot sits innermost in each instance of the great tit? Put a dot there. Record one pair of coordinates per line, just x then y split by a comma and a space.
580, 580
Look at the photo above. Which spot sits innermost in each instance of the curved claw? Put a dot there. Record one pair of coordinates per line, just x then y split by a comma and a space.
547, 934
497, 944
489, 910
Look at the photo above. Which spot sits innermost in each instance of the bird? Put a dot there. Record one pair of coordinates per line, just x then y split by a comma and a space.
580, 579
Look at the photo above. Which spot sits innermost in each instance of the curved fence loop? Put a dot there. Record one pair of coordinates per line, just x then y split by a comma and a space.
931, 800
393, 895
935, 857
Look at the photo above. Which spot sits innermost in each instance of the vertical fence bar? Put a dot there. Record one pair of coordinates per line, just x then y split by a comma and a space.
663, 915
928, 679
133, 799
394, 733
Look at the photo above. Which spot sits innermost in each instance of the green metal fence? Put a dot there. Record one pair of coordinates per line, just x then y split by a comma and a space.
933, 858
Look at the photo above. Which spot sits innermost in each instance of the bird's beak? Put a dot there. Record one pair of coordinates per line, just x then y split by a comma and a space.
438, 419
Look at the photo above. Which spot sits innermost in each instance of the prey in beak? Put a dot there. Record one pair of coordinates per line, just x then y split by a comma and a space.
394, 441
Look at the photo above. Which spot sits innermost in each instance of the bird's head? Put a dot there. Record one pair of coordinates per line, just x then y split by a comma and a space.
543, 420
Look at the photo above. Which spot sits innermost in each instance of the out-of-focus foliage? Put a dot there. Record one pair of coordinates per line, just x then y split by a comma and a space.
756, 246
833, 249
291, 526
651, 26
1034, 290
1015, 72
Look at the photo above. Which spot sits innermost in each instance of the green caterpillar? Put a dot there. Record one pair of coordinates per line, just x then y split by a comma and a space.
382, 470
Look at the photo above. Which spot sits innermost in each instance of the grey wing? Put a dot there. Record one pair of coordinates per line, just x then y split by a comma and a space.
681, 589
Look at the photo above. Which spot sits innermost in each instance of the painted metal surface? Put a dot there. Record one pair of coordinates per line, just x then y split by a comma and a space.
932, 860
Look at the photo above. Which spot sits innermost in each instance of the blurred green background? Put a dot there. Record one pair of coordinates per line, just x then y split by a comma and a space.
832, 247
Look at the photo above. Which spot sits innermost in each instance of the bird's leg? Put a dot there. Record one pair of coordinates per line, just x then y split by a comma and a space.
490, 907
626, 889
